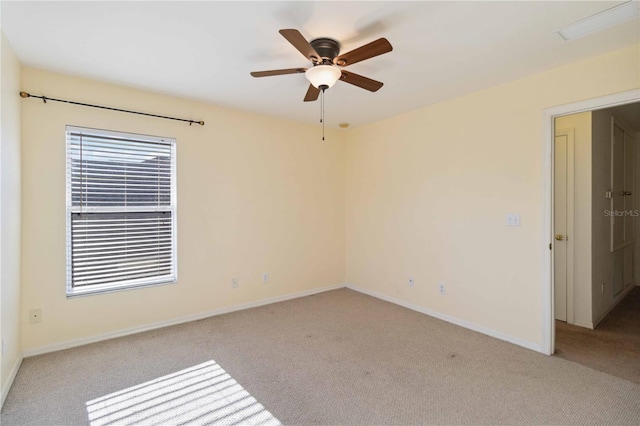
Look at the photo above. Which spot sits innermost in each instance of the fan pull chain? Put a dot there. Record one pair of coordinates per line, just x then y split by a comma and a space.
322, 112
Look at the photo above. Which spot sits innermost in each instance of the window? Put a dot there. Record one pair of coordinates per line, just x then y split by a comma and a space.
121, 211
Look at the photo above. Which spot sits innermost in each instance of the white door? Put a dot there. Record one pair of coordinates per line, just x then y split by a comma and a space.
622, 202
563, 225
617, 189
630, 205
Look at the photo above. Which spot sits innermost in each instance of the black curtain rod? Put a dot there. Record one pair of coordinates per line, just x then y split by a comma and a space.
45, 99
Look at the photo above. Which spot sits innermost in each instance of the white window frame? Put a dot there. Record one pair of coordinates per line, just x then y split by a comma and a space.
72, 291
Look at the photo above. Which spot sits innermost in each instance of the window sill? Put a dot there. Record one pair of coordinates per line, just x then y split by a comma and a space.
116, 288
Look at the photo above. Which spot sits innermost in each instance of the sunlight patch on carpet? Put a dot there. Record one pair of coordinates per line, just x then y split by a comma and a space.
202, 394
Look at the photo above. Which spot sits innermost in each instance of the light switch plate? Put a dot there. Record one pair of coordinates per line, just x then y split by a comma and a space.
513, 219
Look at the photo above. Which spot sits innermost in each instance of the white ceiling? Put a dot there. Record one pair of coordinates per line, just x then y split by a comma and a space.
205, 50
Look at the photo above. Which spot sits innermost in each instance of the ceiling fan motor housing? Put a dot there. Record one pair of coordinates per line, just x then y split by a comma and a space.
327, 48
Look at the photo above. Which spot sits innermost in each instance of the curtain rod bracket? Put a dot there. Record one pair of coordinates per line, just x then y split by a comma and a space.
25, 95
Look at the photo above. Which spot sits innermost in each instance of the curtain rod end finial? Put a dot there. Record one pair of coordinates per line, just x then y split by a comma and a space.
24, 95
201, 123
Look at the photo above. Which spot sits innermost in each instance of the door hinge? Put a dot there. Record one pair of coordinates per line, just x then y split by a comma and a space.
549, 246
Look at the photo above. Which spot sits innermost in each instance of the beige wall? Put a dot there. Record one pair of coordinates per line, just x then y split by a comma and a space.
582, 232
255, 194
428, 193
9, 215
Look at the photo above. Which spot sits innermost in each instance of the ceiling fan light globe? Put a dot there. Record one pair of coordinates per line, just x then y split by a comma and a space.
323, 75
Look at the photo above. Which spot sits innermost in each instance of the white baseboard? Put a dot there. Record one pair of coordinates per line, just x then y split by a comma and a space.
585, 324
12, 376
462, 323
139, 329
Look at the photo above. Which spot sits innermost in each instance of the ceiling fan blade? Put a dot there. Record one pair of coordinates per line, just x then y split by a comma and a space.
299, 42
312, 94
367, 51
360, 81
278, 72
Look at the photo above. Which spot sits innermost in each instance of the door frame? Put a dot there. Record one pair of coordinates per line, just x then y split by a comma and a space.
549, 116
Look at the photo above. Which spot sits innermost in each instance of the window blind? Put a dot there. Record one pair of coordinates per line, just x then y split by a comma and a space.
121, 210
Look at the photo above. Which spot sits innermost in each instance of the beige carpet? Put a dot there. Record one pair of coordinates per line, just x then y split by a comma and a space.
335, 358
613, 347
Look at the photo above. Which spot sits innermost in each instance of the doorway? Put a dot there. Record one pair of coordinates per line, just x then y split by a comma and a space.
596, 295
595, 212
550, 115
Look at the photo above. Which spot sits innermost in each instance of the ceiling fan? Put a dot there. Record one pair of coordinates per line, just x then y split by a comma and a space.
324, 54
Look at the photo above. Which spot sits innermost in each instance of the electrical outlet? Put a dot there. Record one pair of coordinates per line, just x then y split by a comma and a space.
441, 288
411, 282
234, 282
265, 278
35, 316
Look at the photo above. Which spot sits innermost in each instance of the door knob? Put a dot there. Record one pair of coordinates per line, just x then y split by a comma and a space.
559, 237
